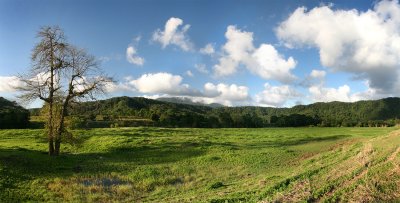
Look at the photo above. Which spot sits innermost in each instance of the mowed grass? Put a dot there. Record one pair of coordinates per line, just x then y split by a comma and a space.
203, 165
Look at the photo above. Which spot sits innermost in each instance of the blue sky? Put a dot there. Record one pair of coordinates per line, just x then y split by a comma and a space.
267, 53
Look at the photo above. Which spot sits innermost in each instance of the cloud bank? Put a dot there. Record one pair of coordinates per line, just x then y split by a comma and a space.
365, 44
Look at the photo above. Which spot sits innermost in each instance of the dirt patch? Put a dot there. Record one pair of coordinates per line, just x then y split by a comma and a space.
105, 182
393, 155
300, 191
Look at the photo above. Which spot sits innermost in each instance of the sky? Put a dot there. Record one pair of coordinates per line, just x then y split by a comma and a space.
276, 53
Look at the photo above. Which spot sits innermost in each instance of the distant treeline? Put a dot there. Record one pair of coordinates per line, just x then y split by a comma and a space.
12, 115
137, 111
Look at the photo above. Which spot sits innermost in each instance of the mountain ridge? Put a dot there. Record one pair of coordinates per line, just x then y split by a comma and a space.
164, 113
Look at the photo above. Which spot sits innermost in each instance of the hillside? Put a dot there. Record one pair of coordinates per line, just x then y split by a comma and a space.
12, 115
383, 112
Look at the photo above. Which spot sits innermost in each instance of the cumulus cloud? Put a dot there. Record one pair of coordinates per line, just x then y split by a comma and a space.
325, 94
131, 56
112, 87
8, 84
174, 33
223, 91
366, 44
226, 94
318, 74
276, 96
264, 61
320, 93
208, 49
226, 66
153, 83
165, 83
271, 65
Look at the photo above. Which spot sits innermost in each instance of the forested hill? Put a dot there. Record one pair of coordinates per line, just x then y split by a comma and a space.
383, 112
12, 115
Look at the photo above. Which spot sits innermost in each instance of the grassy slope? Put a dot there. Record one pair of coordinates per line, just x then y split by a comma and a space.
171, 165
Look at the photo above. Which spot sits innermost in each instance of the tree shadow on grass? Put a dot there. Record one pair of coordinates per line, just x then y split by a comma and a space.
276, 142
301, 140
26, 164
19, 166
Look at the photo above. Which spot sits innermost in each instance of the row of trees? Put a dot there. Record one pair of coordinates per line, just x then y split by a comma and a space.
181, 115
12, 115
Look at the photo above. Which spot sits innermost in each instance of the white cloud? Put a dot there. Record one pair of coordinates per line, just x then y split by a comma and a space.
164, 83
226, 94
271, 65
276, 96
325, 94
366, 44
189, 73
226, 66
132, 57
8, 84
217, 93
318, 74
112, 87
320, 93
201, 68
231, 92
264, 61
236, 50
174, 34
208, 49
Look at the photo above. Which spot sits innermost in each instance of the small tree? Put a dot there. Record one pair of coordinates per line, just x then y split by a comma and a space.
60, 74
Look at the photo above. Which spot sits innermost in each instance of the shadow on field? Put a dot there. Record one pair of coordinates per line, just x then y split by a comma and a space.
275, 142
20, 164
299, 141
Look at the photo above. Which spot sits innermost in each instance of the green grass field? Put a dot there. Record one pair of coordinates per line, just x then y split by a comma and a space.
203, 165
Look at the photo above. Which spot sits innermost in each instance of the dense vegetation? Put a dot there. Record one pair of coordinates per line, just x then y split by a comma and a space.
203, 165
12, 115
127, 111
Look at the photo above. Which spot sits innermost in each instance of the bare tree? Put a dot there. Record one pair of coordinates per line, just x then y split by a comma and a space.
60, 74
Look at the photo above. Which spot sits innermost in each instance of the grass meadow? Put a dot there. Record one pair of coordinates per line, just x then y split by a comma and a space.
203, 165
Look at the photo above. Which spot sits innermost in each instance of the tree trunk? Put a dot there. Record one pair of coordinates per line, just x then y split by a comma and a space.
60, 125
51, 145
58, 134
50, 130
57, 147
51, 101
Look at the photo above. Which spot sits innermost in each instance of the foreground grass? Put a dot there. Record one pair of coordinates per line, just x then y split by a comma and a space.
203, 165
